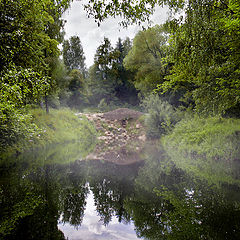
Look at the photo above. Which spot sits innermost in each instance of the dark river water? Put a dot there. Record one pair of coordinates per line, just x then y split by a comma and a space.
55, 194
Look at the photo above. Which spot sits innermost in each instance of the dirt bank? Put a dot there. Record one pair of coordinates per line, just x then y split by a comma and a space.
121, 135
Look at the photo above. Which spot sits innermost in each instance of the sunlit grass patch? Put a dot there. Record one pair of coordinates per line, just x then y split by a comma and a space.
62, 126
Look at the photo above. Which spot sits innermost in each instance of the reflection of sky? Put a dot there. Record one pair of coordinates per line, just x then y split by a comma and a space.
92, 228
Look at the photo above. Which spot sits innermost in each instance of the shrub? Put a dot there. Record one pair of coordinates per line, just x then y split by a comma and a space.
161, 116
14, 125
103, 106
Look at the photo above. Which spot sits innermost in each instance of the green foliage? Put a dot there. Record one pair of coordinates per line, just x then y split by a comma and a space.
108, 78
73, 55
147, 58
29, 32
205, 53
76, 88
22, 86
18, 88
76, 80
161, 116
101, 82
206, 147
131, 11
124, 87
29, 64
103, 106
15, 125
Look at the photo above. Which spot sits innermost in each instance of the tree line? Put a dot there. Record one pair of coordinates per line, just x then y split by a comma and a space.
107, 81
192, 60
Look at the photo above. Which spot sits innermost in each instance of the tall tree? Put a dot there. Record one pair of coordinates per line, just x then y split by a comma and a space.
73, 55
108, 78
206, 56
27, 32
147, 58
26, 52
124, 88
101, 81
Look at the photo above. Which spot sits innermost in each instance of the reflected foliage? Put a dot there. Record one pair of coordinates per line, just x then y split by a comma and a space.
38, 192
161, 199
190, 208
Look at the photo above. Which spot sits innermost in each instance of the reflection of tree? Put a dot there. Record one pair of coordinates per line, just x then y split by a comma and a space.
108, 198
33, 205
35, 198
148, 216
73, 204
38, 195
111, 184
164, 202
182, 207
201, 212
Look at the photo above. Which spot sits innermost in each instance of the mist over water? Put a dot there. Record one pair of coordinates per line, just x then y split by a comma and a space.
96, 199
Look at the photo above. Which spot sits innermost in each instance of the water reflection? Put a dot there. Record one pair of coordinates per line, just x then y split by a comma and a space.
158, 198
190, 208
93, 228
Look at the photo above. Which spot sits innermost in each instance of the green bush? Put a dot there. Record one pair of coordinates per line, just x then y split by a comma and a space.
14, 125
19, 87
103, 106
161, 116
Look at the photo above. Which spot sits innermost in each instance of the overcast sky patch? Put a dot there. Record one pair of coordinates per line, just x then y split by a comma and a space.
92, 227
92, 36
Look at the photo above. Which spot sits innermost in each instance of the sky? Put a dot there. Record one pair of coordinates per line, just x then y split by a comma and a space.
91, 36
92, 227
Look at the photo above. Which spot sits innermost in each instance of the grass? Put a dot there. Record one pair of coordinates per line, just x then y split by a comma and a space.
207, 147
61, 126
213, 137
57, 127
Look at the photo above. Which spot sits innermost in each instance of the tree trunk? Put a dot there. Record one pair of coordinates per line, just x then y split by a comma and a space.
46, 103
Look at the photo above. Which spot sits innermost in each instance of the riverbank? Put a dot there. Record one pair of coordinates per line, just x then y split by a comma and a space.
59, 126
206, 147
116, 136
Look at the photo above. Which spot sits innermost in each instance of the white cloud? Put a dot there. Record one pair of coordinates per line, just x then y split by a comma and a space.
92, 228
91, 35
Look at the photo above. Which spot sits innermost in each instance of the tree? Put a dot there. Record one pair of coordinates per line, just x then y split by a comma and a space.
27, 33
206, 60
147, 58
76, 86
125, 90
101, 81
28, 47
108, 78
73, 55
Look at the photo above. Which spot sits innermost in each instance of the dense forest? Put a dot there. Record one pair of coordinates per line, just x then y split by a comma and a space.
189, 64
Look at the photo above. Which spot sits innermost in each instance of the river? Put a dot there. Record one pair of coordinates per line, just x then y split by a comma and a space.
54, 193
